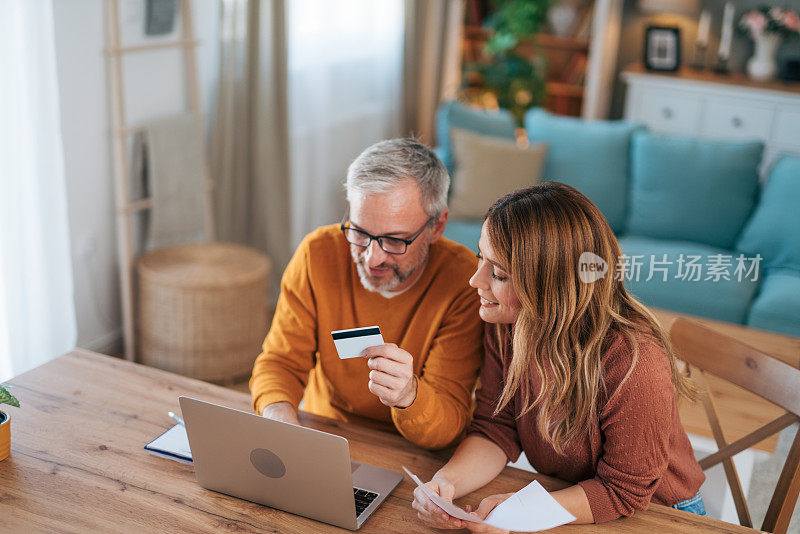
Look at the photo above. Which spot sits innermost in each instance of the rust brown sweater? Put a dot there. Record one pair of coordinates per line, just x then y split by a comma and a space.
436, 320
637, 450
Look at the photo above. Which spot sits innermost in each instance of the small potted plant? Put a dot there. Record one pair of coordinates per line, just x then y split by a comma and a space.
5, 422
767, 26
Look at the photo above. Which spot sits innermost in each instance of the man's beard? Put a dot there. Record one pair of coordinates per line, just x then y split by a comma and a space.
398, 276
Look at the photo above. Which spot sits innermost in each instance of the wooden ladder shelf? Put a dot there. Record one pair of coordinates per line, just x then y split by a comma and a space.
127, 208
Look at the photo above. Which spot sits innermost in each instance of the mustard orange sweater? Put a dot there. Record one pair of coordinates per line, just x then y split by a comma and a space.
436, 320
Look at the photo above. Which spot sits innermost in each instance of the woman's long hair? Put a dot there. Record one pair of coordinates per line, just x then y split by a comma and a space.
538, 235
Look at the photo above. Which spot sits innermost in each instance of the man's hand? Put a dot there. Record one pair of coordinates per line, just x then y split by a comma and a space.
392, 377
487, 505
281, 411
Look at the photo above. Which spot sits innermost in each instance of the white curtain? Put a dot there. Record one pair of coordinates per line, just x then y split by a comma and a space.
37, 314
344, 93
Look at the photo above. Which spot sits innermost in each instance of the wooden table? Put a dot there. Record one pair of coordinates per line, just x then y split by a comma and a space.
740, 411
77, 462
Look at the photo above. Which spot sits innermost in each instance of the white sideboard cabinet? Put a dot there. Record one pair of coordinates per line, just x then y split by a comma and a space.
716, 106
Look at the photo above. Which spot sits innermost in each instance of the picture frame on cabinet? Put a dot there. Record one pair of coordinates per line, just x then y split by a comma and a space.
662, 48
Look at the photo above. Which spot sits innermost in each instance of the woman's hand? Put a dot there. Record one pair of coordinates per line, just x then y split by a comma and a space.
487, 505
428, 512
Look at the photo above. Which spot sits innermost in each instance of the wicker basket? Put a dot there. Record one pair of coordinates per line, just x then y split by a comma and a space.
202, 309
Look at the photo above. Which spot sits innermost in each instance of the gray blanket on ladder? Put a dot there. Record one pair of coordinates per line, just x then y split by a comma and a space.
171, 162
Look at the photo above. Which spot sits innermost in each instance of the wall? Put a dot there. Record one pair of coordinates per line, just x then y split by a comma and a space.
154, 86
634, 23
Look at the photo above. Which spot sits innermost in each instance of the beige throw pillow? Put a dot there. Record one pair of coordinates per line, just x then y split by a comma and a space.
487, 168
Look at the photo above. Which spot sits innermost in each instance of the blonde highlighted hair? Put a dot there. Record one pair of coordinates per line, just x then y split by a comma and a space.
538, 235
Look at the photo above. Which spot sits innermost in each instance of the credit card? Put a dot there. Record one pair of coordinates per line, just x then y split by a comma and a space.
350, 343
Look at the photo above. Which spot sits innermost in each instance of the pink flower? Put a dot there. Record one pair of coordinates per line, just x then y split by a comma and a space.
775, 13
791, 20
755, 21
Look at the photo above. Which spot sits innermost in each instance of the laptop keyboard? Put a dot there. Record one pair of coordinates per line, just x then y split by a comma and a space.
363, 499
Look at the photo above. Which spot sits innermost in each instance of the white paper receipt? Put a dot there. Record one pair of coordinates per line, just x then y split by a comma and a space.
529, 510
447, 506
350, 343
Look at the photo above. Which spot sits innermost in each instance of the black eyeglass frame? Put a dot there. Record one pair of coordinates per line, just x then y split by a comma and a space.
380, 238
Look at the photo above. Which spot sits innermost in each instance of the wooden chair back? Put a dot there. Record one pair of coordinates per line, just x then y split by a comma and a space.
708, 351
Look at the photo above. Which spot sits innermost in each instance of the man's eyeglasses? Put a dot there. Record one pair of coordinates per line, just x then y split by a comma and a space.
391, 245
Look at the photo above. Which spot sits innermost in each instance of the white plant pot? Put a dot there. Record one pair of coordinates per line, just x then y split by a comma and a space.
763, 65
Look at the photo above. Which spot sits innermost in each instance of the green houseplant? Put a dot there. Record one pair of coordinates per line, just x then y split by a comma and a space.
5, 422
515, 82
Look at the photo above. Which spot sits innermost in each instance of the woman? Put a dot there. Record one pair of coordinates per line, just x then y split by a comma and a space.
577, 373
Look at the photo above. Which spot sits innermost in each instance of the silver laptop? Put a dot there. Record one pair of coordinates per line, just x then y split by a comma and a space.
293, 468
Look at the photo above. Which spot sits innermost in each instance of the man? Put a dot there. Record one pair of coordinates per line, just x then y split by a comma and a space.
386, 265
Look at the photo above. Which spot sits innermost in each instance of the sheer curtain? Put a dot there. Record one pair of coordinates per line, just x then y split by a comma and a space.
249, 153
37, 314
345, 62
432, 62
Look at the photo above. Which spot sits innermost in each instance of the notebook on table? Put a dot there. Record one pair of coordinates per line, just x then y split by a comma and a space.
172, 444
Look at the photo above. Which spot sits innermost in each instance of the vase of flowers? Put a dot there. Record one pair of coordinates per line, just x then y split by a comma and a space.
5, 422
768, 27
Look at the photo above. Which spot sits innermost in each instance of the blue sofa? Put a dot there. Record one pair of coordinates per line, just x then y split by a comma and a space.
689, 213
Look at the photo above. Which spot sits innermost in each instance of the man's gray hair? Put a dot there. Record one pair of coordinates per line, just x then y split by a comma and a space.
388, 163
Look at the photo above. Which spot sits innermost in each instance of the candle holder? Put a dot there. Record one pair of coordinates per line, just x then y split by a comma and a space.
699, 59
722, 65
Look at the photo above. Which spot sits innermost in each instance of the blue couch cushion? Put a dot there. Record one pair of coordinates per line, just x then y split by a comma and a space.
777, 306
709, 296
774, 229
440, 153
691, 189
465, 232
591, 156
453, 114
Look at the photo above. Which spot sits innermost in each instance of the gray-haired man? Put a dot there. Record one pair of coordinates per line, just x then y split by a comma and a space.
386, 264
